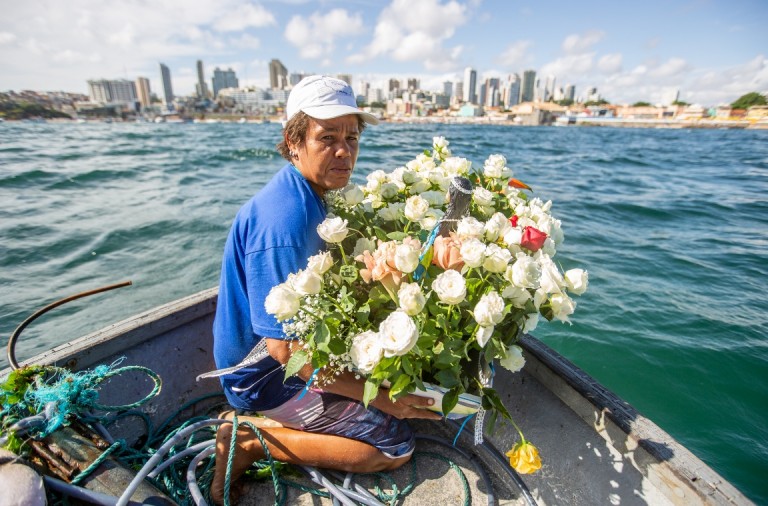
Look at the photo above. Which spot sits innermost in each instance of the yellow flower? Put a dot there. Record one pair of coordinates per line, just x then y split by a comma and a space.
524, 458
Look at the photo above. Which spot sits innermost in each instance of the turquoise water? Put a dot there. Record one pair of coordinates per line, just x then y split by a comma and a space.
671, 224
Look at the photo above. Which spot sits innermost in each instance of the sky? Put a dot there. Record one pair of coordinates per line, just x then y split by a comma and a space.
712, 51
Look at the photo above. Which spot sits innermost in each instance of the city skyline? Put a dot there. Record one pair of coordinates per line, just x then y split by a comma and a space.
711, 51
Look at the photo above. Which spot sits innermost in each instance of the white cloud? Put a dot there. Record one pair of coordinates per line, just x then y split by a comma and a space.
671, 68
516, 54
315, 36
575, 43
610, 63
6, 38
243, 16
416, 31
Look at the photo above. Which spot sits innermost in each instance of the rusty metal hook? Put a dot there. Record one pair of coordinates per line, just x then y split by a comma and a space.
14, 337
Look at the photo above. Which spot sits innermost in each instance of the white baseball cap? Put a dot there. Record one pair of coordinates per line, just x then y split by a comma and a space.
323, 97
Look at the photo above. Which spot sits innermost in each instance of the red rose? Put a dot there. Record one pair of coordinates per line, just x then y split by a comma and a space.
513, 220
533, 239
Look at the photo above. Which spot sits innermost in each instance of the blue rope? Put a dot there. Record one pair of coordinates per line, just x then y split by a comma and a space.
420, 270
461, 428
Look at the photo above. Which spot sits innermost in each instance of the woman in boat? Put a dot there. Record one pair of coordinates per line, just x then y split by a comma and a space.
273, 235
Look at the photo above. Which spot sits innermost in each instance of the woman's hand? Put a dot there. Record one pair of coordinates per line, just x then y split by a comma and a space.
408, 406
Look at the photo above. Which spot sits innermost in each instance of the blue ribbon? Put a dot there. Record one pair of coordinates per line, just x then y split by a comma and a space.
309, 383
420, 270
463, 424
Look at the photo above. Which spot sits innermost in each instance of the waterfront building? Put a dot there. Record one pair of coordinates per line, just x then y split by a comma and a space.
143, 92
670, 96
528, 87
470, 86
413, 84
295, 77
458, 92
470, 111
105, 91
448, 89
549, 89
347, 78
278, 75
592, 95
511, 94
201, 87
165, 79
570, 92
491, 95
374, 95
223, 79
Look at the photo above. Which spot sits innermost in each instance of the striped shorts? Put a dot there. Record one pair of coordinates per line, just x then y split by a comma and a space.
326, 413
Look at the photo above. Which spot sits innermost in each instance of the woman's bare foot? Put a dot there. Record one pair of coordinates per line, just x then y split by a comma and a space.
247, 451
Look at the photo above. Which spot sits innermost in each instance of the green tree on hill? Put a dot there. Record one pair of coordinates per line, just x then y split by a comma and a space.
641, 104
748, 100
25, 110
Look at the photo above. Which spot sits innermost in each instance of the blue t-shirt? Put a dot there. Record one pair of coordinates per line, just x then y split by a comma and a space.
272, 236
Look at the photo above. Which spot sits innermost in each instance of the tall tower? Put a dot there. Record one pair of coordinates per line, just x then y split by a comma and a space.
528, 89
278, 75
512, 95
201, 87
165, 78
223, 79
470, 85
142, 90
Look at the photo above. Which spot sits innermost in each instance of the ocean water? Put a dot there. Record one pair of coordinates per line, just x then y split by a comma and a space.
672, 226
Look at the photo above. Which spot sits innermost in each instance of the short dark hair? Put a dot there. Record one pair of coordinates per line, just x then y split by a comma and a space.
295, 131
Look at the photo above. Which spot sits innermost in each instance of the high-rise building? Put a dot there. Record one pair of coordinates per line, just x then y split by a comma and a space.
295, 77
528, 88
223, 79
201, 87
470, 85
347, 78
458, 90
570, 92
143, 92
165, 78
448, 89
413, 84
549, 88
511, 95
394, 85
492, 94
107, 91
278, 75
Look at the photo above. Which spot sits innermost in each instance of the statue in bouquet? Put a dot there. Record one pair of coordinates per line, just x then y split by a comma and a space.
273, 235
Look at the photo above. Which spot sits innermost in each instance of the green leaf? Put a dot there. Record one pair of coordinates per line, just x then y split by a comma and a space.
348, 273
491, 395
448, 378
396, 236
295, 363
322, 336
370, 390
449, 400
362, 314
337, 346
407, 367
401, 385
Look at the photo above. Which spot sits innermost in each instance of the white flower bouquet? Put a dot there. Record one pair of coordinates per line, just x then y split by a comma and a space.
432, 273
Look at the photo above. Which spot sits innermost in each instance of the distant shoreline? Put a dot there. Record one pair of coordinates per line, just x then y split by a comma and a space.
485, 120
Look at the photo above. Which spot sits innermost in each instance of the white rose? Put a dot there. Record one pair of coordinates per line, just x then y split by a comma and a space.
411, 298
333, 229
282, 302
496, 258
539, 297
551, 280
496, 167
430, 219
366, 351
435, 198
320, 263
307, 282
439, 143
407, 257
576, 280
450, 287
484, 334
470, 227
516, 295
398, 334
531, 321
455, 166
548, 247
375, 180
562, 306
496, 227
514, 360
352, 194
391, 212
364, 244
422, 185
473, 252
525, 272
513, 236
415, 208
489, 310
482, 197
388, 190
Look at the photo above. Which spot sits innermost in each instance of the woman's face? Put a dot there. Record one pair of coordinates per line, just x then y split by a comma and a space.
329, 152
